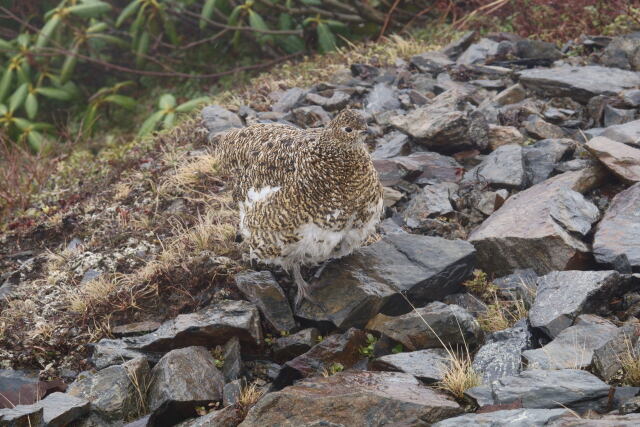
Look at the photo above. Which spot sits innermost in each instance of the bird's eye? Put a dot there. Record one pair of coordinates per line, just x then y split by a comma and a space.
348, 130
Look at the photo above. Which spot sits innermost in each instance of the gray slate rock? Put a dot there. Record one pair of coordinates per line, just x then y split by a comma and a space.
422, 167
537, 128
433, 62
630, 420
563, 295
537, 388
619, 158
392, 145
432, 201
578, 83
574, 212
21, 416
449, 324
617, 116
617, 239
60, 409
478, 52
504, 167
288, 100
336, 101
183, 379
355, 288
607, 360
623, 52
506, 418
428, 365
542, 158
574, 346
381, 98
628, 133
218, 119
261, 288
112, 391
312, 116
501, 355
288, 347
456, 47
231, 356
505, 242
519, 285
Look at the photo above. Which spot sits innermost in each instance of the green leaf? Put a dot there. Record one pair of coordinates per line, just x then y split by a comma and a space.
127, 12
143, 48
139, 21
54, 93
207, 12
47, 31
326, 39
312, 2
31, 105
167, 101
42, 126
285, 21
291, 44
397, 349
5, 83
190, 105
17, 98
168, 120
23, 40
235, 14
5, 45
89, 10
22, 124
123, 101
170, 29
23, 71
3, 109
89, 119
256, 21
36, 140
151, 123
335, 25
69, 65
111, 39
98, 27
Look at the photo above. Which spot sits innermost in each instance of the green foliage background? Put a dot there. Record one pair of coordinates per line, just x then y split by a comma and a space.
69, 67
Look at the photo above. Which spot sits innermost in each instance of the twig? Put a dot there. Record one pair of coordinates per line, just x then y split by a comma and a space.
387, 18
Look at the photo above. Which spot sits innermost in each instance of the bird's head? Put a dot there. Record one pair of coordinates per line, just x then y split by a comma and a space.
348, 126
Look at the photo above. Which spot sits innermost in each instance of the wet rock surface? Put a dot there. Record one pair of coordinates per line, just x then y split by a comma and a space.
512, 417
261, 288
428, 366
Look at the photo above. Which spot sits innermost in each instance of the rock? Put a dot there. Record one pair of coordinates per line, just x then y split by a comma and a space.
537, 388
630, 420
617, 238
217, 120
431, 62
132, 329
381, 98
469, 302
442, 125
536, 49
428, 365
390, 196
564, 295
490, 201
432, 201
394, 144
60, 409
182, 380
108, 352
578, 83
628, 133
334, 350
449, 324
337, 101
231, 392
607, 360
574, 346
21, 416
478, 52
519, 285
630, 98
288, 347
113, 391
456, 47
504, 167
617, 116
310, 117
422, 167
288, 100
357, 287
226, 417
261, 288
505, 243
619, 158
623, 52
539, 129
541, 158
511, 418
209, 327
232, 366
504, 135
511, 95
574, 212
501, 355
349, 398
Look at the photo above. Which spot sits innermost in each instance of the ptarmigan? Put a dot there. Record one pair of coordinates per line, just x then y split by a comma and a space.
304, 196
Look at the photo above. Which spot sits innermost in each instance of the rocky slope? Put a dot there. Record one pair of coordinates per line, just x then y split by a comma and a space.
511, 242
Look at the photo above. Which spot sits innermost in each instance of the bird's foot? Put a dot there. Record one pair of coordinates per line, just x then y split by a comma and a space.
320, 269
304, 292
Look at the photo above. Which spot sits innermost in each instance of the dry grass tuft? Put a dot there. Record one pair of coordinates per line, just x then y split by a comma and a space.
480, 285
249, 396
92, 293
630, 361
502, 314
459, 376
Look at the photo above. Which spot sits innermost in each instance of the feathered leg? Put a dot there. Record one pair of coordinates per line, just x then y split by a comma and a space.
304, 291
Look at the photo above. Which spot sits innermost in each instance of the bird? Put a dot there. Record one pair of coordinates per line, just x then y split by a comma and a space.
305, 196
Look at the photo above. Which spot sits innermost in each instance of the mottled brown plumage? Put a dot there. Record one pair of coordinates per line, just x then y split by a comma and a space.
304, 195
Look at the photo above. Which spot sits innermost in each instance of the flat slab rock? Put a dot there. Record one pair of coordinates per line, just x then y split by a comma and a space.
544, 241
607, 362
578, 83
545, 389
429, 365
564, 295
448, 324
627, 133
570, 420
504, 167
349, 398
574, 346
507, 418
356, 288
621, 159
617, 239
422, 167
